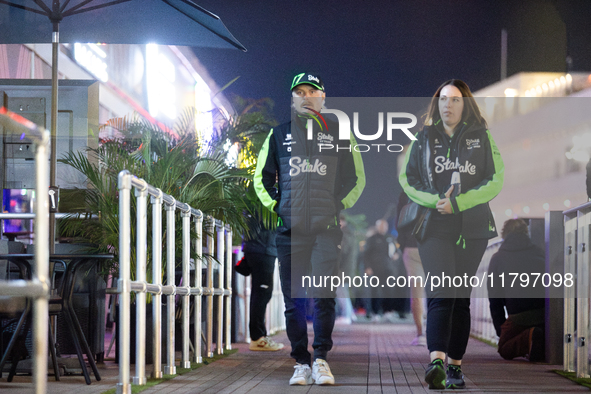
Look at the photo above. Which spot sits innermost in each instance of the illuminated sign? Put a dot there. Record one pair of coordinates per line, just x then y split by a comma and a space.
92, 58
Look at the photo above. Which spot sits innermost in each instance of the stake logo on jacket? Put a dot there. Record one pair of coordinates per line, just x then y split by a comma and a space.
313, 186
473, 153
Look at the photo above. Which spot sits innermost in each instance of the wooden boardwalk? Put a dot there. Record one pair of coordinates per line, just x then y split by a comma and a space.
366, 358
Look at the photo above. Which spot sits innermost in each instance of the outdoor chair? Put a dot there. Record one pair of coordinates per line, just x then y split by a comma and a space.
13, 316
12, 308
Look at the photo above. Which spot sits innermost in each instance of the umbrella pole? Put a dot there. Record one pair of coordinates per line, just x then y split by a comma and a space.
53, 159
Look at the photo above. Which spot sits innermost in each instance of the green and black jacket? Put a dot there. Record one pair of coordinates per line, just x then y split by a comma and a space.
313, 184
473, 151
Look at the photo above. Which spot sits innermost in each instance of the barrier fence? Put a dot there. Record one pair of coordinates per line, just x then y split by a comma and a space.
481, 325
221, 295
567, 236
37, 288
577, 238
275, 317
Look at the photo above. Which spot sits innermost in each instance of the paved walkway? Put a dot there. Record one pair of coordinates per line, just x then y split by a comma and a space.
366, 358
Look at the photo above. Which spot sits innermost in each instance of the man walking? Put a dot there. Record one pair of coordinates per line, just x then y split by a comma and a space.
314, 183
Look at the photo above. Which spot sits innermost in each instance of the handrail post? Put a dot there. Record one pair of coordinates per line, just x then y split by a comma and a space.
41, 272
247, 296
220, 257
570, 256
186, 218
140, 296
584, 238
228, 309
209, 333
157, 280
39, 283
170, 368
124, 386
199, 286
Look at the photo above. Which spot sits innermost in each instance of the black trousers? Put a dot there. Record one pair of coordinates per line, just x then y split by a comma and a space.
262, 266
448, 307
314, 255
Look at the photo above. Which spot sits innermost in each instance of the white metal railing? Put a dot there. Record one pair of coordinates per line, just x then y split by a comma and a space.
481, 325
221, 294
577, 239
275, 317
38, 287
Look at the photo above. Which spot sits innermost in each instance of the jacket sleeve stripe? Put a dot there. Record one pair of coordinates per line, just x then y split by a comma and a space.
425, 199
259, 186
352, 197
490, 187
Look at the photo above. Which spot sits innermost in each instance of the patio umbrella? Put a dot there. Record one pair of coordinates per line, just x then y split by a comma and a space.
164, 22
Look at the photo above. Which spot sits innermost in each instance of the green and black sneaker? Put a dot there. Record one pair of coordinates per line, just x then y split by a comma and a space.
455, 377
435, 374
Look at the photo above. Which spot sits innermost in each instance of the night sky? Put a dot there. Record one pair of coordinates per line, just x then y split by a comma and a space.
391, 49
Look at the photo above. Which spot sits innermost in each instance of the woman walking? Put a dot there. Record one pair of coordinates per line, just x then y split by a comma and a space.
453, 168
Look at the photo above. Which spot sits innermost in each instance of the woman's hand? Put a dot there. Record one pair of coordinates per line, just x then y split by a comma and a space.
444, 205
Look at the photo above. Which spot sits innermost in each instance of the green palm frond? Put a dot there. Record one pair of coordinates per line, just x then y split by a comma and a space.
182, 165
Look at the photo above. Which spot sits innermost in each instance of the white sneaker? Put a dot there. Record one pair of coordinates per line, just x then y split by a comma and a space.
389, 317
265, 344
419, 340
321, 372
302, 375
376, 318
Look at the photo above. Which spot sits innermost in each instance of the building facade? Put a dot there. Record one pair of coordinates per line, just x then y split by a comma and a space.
541, 123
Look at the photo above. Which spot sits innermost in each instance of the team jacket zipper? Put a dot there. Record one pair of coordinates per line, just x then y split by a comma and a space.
307, 225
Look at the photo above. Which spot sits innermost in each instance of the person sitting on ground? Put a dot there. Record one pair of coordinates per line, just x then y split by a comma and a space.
521, 334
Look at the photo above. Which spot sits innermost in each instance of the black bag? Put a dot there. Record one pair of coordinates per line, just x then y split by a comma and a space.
242, 267
409, 215
414, 218
420, 229
413, 215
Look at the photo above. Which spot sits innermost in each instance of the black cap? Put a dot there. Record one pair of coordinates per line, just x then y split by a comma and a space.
308, 78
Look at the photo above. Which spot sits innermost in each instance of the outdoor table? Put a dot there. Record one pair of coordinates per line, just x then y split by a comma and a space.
13, 235
73, 265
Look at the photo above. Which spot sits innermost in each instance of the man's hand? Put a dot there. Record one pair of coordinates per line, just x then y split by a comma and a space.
444, 205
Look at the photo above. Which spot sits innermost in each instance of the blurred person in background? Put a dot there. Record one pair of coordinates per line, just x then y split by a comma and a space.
414, 268
348, 256
377, 262
260, 254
